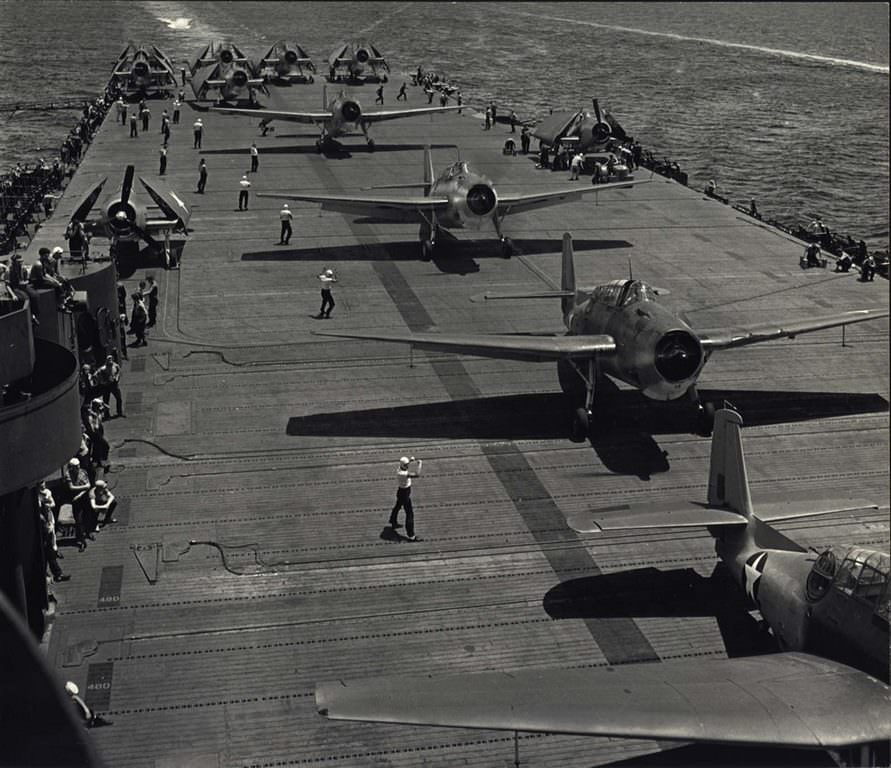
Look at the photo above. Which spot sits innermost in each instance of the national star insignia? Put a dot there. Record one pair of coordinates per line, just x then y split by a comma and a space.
752, 572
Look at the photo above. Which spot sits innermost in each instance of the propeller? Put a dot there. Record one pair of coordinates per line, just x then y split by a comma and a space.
239, 78
350, 110
678, 355
291, 56
362, 55
601, 130
226, 56
481, 199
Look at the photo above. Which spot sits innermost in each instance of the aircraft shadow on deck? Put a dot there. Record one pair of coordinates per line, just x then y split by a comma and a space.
625, 422
331, 150
653, 593
452, 256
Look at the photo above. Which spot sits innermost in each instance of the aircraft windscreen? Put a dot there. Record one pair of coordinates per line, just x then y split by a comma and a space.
456, 169
635, 291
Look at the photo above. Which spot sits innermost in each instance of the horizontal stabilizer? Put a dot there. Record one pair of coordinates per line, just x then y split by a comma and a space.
652, 514
786, 699
784, 508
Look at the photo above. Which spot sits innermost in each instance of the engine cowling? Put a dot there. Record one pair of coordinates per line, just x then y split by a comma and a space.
350, 111
140, 69
678, 356
291, 56
239, 78
481, 200
226, 56
362, 55
664, 364
121, 218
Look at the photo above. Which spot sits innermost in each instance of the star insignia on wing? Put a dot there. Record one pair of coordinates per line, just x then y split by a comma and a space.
752, 572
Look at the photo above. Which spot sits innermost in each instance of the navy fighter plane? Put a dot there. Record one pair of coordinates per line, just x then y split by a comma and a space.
457, 198
579, 129
225, 69
287, 61
358, 60
143, 71
340, 117
127, 220
829, 614
620, 329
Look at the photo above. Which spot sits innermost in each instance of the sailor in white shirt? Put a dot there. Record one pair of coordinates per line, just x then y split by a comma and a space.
404, 477
243, 194
327, 278
285, 215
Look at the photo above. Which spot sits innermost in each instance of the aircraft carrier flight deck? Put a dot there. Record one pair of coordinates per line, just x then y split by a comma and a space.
256, 468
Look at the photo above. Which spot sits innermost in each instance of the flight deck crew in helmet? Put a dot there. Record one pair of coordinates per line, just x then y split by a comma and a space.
327, 278
285, 215
404, 477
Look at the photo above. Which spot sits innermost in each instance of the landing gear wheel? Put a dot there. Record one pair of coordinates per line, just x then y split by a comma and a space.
705, 419
581, 426
371, 145
507, 248
426, 250
310, 79
167, 259
319, 146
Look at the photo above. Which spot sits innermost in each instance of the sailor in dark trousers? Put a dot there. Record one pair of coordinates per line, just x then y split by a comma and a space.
285, 215
404, 476
202, 176
327, 278
380, 95
162, 157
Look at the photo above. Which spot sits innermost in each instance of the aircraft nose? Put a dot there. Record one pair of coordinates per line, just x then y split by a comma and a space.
239, 78
481, 199
362, 55
678, 356
226, 56
291, 57
350, 111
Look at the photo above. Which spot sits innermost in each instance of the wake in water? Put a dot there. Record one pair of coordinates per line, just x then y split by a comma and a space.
180, 23
864, 65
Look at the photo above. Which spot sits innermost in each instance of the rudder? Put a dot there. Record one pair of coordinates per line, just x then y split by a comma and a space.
728, 481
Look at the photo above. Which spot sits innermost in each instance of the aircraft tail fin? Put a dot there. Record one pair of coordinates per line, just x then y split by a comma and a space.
728, 482
428, 171
567, 276
324, 96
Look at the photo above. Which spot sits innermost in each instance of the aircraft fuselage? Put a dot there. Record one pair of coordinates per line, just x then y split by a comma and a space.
656, 352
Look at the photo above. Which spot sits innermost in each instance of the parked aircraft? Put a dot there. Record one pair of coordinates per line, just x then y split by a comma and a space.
225, 69
834, 605
357, 60
126, 220
340, 117
579, 129
143, 71
288, 61
457, 198
622, 330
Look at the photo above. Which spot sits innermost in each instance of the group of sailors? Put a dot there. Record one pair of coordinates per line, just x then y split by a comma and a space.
29, 190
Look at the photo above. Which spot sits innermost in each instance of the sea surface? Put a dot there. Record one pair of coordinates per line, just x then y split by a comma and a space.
784, 102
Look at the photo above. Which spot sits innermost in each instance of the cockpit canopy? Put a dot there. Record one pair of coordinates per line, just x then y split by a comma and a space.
455, 170
861, 573
621, 293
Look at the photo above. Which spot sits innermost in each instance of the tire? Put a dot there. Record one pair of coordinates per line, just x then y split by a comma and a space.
705, 420
507, 248
426, 250
581, 426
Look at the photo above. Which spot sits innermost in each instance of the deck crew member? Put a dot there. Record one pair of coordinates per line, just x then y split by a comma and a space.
402, 96
145, 113
285, 215
138, 319
122, 110
90, 718
151, 294
488, 119
77, 483
868, 269
133, 126
380, 95
198, 132
513, 121
404, 477
327, 278
255, 158
812, 255
243, 193
102, 500
108, 383
162, 159
176, 107
575, 166
202, 176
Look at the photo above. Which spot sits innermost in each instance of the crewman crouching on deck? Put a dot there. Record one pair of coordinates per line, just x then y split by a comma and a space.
90, 718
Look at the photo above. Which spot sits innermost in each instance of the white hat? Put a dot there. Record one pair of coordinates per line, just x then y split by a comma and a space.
71, 688
329, 272
73, 463
245, 176
56, 250
285, 205
101, 484
403, 461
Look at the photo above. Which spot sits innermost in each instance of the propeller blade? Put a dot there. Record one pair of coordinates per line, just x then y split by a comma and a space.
597, 113
128, 184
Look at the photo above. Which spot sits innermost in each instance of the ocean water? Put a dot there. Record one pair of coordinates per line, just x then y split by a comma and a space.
784, 102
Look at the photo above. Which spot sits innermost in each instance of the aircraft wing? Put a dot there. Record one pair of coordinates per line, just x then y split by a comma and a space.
173, 208
393, 114
268, 114
501, 347
519, 202
740, 336
553, 126
786, 699
88, 200
391, 208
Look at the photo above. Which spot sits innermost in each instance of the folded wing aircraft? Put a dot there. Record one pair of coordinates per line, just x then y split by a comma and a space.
457, 198
802, 698
622, 330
